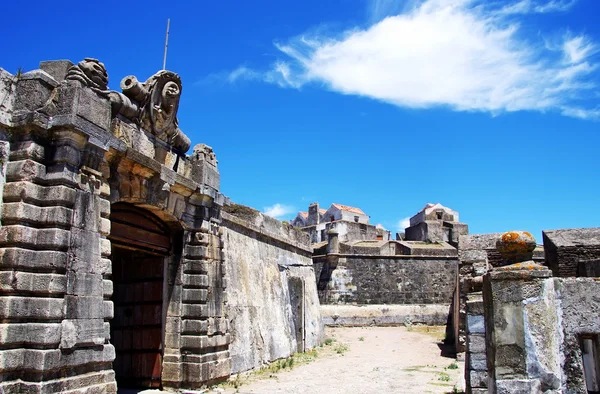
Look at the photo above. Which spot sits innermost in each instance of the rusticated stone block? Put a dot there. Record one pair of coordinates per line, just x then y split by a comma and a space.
195, 295
104, 208
15, 281
109, 309
205, 358
518, 386
217, 325
25, 170
30, 333
194, 310
27, 213
32, 259
107, 288
196, 251
35, 194
104, 266
105, 248
31, 308
216, 369
56, 68
172, 340
192, 280
47, 238
173, 325
194, 326
196, 266
104, 227
171, 373
476, 362
11, 359
102, 382
82, 332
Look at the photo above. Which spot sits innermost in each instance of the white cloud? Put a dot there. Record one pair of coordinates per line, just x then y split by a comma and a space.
403, 224
243, 73
577, 49
468, 55
541, 7
278, 210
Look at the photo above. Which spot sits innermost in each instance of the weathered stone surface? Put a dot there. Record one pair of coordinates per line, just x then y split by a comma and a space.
30, 334
566, 249
18, 235
33, 259
16, 307
522, 328
579, 308
516, 246
36, 194
475, 324
82, 332
56, 68
386, 280
27, 282
262, 271
364, 315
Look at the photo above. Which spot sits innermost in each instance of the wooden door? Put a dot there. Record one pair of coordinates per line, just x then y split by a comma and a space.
137, 325
140, 243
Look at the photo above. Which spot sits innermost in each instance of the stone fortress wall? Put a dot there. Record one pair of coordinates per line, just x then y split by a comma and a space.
364, 280
272, 305
115, 253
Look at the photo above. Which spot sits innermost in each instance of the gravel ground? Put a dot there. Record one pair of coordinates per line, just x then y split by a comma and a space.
362, 360
377, 360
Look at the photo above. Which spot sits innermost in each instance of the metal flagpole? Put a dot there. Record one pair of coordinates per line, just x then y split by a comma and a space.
166, 44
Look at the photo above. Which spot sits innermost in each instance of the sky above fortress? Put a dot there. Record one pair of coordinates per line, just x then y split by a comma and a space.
491, 108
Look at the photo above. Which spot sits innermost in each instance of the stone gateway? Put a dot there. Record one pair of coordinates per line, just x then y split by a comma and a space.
112, 260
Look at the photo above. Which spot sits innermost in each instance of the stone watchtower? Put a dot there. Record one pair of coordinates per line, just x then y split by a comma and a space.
110, 244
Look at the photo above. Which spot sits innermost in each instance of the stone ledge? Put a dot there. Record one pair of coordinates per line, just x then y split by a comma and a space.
382, 315
297, 244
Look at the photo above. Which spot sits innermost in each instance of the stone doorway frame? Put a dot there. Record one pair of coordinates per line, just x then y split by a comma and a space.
139, 229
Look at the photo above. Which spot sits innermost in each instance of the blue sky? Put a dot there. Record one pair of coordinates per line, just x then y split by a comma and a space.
489, 107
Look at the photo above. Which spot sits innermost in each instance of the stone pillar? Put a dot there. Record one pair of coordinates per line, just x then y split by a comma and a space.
476, 370
521, 319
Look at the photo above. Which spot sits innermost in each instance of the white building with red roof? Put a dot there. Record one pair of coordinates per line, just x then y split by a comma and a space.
351, 223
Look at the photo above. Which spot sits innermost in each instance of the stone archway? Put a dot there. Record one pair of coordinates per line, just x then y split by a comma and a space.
141, 243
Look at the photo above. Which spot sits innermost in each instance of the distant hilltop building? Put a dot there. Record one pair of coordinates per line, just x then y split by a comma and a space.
351, 223
436, 223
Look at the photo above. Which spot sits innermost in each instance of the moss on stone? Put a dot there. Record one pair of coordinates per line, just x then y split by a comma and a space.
241, 211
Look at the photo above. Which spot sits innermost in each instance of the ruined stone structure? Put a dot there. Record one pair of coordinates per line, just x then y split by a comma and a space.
115, 256
531, 332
